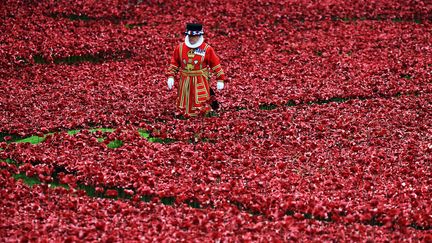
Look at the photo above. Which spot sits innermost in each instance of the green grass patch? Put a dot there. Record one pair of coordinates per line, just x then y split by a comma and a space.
82, 17
89, 190
193, 204
400, 20
308, 216
180, 117
290, 103
268, 107
56, 184
12, 162
78, 59
406, 76
144, 134
146, 198
161, 140
131, 26
211, 114
12, 139
102, 130
38, 139
417, 21
39, 59
168, 200
331, 100
338, 99
380, 17
30, 181
115, 144
73, 132
27, 180
334, 18
21, 60
32, 140
123, 194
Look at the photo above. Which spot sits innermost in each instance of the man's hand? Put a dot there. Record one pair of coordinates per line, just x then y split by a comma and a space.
170, 82
220, 85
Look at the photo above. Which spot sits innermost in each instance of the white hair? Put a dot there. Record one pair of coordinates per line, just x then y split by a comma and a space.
197, 44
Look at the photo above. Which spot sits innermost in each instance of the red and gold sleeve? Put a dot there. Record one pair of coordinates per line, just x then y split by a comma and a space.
215, 65
174, 63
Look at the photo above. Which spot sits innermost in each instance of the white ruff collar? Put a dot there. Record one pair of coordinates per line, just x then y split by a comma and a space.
198, 43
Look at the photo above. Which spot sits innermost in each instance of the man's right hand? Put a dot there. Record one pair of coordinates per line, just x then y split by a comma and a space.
170, 82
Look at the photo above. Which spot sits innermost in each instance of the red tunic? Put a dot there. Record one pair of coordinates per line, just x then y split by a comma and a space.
194, 65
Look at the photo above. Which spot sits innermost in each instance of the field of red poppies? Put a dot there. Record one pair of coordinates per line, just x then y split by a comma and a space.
324, 131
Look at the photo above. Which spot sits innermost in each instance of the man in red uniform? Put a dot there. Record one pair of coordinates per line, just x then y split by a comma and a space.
194, 58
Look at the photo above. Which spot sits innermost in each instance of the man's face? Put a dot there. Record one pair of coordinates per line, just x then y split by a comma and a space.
193, 39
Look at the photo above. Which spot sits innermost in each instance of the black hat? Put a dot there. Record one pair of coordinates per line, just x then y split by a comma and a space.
194, 29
